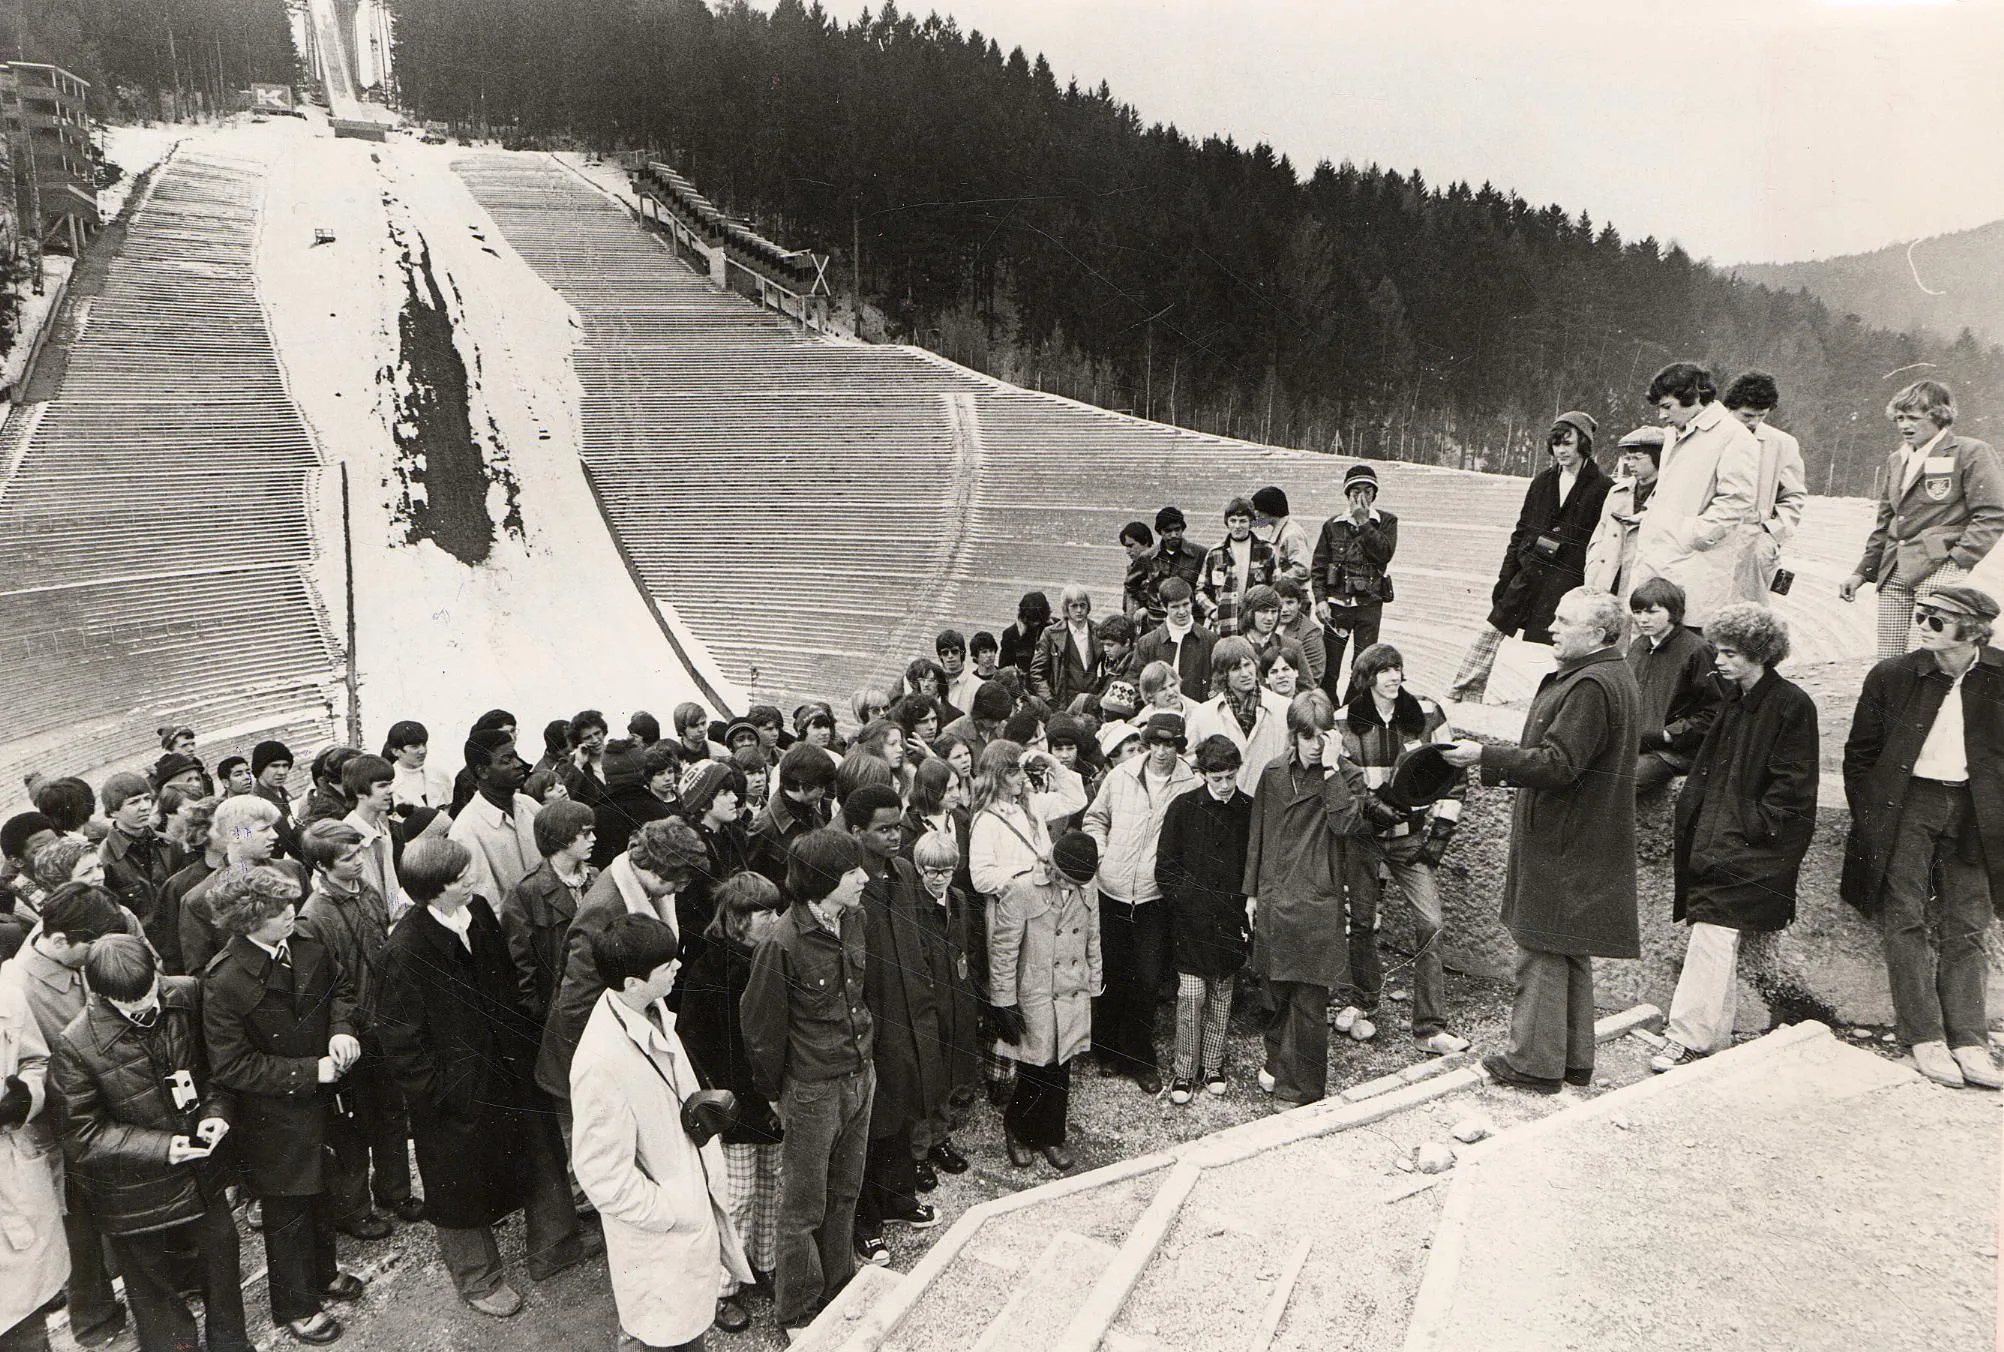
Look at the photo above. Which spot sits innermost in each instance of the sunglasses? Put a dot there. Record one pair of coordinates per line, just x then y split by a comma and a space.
1932, 620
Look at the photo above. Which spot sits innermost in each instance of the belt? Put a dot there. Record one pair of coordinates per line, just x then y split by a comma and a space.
1951, 784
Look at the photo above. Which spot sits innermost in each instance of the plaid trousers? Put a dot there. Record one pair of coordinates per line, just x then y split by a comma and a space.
751, 1179
1203, 1015
1896, 608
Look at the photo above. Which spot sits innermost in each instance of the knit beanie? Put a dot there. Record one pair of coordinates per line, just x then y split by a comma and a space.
1581, 423
992, 703
1270, 501
1120, 699
701, 783
265, 753
121, 786
171, 766
1077, 856
1360, 473
21, 828
622, 765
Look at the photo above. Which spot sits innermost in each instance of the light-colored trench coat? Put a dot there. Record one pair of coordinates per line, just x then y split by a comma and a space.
34, 1259
668, 1233
1702, 520
1043, 954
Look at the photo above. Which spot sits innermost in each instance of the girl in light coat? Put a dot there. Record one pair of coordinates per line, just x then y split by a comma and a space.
660, 1192
34, 1257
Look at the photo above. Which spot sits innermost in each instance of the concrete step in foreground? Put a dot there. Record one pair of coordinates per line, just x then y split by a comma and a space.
1253, 1232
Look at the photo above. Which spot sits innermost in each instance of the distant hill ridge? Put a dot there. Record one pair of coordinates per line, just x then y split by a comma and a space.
1952, 282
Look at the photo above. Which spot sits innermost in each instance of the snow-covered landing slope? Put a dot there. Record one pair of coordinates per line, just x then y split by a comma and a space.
550, 621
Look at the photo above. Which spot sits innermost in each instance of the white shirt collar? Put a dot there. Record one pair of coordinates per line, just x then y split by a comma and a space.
460, 922
279, 952
641, 1028
370, 834
1926, 448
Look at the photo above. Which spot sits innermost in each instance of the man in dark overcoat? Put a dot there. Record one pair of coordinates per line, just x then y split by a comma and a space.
1924, 773
1569, 889
907, 1007
278, 1014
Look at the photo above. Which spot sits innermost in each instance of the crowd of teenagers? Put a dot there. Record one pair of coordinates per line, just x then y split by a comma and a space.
714, 999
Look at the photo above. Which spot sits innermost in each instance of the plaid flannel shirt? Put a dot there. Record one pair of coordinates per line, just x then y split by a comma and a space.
1223, 587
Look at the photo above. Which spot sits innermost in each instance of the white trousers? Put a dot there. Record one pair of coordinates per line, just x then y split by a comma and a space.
1707, 998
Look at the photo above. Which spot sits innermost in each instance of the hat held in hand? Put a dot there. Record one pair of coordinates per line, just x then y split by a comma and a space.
1421, 776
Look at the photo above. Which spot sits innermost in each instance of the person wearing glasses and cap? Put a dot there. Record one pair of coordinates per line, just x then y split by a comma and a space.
1610, 555
1924, 773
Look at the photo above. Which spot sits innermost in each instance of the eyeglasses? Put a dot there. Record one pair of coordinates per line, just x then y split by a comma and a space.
1931, 620
936, 872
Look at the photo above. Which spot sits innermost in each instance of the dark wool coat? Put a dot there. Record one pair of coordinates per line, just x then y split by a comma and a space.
1902, 695
953, 954
1193, 664
1570, 885
354, 930
713, 1034
1529, 586
1296, 850
136, 871
119, 1114
1200, 865
267, 1026
1018, 647
908, 1006
1680, 691
460, 1048
615, 817
1748, 809
536, 919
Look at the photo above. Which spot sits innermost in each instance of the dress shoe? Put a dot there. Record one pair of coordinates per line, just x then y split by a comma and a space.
1060, 1158
926, 1176
503, 1302
1149, 1083
370, 1226
315, 1328
1021, 1155
921, 1216
410, 1210
1580, 1076
588, 1242
1977, 1068
345, 1286
1933, 1061
97, 1335
947, 1158
1501, 1071
731, 1316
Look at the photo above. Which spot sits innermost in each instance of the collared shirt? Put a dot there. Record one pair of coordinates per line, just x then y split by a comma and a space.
1916, 457
460, 922
1945, 755
379, 864
281, 952
1567, 478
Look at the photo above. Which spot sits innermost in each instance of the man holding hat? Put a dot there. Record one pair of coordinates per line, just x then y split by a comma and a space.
1125, 822
1610, 554
1348, 571
1924, 773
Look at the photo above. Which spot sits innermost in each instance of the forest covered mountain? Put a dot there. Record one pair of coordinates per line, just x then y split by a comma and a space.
1944, 284
1046, 233
135, 53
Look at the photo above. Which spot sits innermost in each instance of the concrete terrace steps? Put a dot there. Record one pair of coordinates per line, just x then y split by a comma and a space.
1203, 1240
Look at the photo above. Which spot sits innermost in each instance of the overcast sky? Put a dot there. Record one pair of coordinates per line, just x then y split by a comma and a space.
1747, 130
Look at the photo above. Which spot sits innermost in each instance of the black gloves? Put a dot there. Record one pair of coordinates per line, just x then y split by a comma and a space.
15, 1102
1438, 837
1010, 1023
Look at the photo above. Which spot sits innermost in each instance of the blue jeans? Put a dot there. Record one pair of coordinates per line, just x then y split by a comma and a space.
821, 1173
1938, 992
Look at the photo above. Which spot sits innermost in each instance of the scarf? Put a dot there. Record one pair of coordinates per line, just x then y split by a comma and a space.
1245, 708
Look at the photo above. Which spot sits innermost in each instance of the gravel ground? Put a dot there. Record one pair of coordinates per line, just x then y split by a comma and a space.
1822, 1200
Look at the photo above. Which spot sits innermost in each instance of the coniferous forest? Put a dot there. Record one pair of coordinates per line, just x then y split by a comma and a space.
146, 58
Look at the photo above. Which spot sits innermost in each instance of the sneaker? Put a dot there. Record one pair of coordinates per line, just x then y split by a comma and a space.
1977, 1068
1361, 1027
1673, 1055
1932, 1059
926, 1176
1266, 1081
872, 1249
1180, 1090
1214, 1082
922, 1216
1444, 1043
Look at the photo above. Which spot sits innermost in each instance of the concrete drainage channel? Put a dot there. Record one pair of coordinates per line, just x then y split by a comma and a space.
1232, 1240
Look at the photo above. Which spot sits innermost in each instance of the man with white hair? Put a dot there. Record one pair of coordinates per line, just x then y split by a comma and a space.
1569, 887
